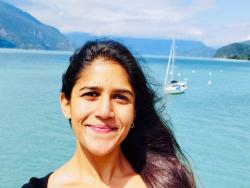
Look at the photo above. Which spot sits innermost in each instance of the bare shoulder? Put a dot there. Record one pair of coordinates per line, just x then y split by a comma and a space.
60, 178
55, 179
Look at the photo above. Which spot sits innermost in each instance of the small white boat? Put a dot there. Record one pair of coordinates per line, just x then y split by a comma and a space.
172, 86
175, 87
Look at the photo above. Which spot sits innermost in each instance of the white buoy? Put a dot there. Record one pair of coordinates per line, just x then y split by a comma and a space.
209, 82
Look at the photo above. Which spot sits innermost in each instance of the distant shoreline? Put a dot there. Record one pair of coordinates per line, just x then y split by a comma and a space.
38, 51
18, 50
194, 58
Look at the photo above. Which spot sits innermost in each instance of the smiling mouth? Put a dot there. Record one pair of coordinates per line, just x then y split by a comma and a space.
101, 129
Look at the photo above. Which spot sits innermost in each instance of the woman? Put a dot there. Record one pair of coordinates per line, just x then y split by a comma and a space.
121, 140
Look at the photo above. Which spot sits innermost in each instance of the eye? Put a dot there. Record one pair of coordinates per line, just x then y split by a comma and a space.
90, 95
120, 98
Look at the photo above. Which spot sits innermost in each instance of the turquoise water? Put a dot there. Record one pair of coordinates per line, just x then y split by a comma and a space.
211, 122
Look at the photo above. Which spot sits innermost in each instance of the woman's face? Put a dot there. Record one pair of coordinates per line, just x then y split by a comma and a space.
102, 106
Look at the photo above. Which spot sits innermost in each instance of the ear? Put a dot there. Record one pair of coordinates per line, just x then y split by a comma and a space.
65, 106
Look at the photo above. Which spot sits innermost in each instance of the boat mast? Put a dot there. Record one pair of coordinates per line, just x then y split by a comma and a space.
173, 59
170, 59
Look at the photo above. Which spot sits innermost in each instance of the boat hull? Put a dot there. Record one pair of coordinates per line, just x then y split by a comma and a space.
176, 88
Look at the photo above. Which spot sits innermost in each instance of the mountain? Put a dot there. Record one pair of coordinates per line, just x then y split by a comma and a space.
19, 29
6, 44
151, 46
247, 42
234, 51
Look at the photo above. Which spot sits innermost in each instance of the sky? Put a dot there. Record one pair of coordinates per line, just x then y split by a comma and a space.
214, 22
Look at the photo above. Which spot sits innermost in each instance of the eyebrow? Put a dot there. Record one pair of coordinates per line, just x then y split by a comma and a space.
116, 90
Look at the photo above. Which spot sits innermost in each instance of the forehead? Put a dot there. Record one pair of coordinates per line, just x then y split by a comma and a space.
104, 72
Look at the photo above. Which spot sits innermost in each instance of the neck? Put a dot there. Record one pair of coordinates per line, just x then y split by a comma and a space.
100, 168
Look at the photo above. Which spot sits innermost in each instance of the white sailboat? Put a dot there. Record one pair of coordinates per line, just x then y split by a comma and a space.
172, 86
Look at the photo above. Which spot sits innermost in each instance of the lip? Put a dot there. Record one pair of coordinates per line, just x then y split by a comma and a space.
102, 129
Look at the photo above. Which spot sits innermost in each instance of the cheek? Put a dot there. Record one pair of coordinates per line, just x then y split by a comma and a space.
80, 109
126, 115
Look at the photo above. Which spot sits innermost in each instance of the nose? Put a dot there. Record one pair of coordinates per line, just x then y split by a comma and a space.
104, 108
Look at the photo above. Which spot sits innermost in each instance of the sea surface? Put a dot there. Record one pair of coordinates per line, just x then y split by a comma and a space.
211, 120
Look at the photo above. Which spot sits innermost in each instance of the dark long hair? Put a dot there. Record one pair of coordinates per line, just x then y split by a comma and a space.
150, 146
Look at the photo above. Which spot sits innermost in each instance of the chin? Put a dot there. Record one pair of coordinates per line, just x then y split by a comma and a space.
101, 147
100, 152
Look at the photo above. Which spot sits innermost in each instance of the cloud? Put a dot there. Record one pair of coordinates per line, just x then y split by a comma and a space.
158, 18
227, 33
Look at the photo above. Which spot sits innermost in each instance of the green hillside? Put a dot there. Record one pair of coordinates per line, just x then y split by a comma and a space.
234, 51
19, 29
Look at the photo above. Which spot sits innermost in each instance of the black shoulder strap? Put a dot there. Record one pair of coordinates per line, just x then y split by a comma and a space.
37, 182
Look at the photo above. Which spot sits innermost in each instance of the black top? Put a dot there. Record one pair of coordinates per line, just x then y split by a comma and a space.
37, 182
